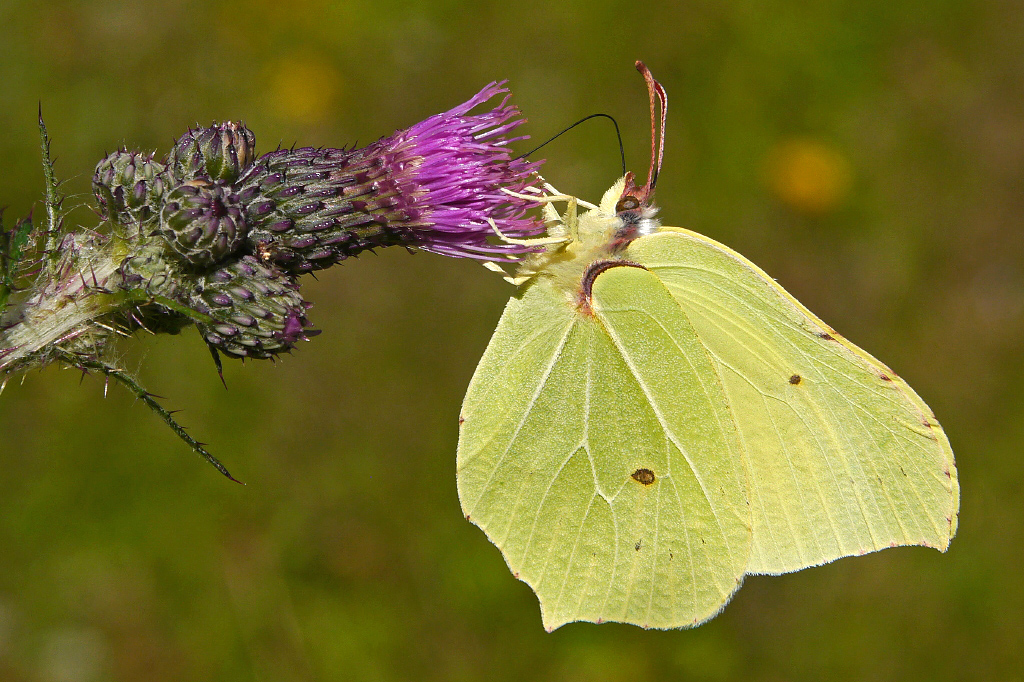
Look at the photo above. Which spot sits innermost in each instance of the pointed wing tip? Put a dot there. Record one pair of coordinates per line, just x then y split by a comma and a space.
551, 626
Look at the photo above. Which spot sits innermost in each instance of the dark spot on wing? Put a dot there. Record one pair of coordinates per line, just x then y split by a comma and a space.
639, 544
645, 476
885, 377
795, 379
462, 420
826, 336
593, 270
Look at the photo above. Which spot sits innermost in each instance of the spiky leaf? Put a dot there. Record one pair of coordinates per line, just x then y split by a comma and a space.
12, 248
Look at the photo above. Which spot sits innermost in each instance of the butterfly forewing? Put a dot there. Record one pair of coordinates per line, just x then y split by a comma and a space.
613, 490
843, 457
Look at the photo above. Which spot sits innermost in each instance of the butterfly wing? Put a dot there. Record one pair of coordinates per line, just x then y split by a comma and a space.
843, 457
598, 453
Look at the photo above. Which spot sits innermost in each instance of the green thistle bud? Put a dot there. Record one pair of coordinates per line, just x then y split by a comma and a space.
129, 186
150, 269
221, 152
202, 221
258, 310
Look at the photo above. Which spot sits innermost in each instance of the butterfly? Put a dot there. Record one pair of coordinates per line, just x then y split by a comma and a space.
655, 418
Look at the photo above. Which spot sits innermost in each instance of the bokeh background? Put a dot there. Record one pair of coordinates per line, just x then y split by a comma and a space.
867, 153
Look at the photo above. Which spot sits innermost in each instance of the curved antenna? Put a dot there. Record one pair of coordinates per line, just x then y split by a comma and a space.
618, 135
655, 90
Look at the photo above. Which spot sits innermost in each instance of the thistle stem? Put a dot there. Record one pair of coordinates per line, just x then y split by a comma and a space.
149, 399
83, 288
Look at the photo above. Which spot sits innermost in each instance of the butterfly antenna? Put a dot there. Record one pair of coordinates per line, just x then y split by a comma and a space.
655, 91
618, 135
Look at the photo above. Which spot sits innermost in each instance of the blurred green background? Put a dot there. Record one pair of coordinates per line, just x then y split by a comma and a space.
869, 154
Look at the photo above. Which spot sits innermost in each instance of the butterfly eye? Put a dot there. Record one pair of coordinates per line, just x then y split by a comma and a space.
627, 203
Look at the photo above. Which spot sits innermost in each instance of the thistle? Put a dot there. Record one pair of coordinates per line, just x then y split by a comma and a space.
128, 185
216, 237
221, 152
151, 269
432, 186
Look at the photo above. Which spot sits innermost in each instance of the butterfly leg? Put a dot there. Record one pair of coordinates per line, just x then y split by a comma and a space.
494, 267
535, 241
552, 196
569, 220
532, 241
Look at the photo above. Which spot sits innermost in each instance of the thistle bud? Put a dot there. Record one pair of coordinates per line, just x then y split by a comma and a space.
148, 269
258, 310
129, 187
221, 152
202, 222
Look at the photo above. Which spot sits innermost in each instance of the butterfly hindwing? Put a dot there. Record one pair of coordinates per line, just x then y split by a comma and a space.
843, 457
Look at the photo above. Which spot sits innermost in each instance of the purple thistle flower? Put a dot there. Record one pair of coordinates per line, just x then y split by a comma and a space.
457, 165
433, 186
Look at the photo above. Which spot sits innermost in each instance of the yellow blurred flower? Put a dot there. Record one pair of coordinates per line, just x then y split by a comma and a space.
808, 176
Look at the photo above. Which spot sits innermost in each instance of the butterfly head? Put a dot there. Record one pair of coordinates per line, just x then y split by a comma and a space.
632, 209
632, 204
